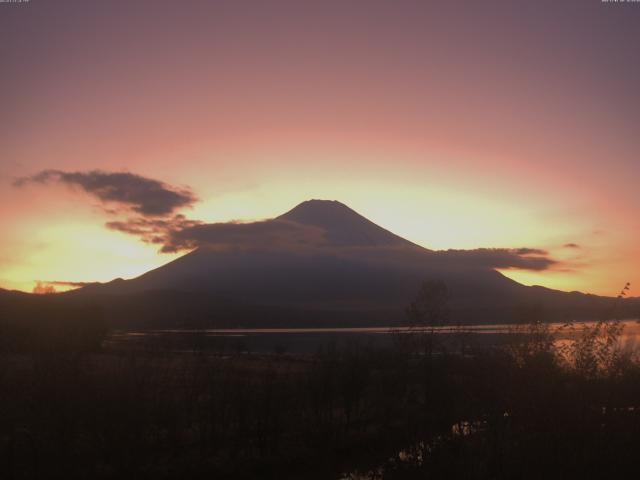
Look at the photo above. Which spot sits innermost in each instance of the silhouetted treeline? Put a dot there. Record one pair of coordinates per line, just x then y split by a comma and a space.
527, 409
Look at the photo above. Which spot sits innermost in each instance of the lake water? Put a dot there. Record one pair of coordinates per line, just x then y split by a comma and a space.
306, 340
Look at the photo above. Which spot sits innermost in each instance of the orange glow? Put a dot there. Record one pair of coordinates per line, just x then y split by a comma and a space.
505, 136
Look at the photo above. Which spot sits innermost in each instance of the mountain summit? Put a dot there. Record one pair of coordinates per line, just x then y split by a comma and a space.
343, 226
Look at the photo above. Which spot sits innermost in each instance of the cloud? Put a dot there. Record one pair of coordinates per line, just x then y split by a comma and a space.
517, 251
42, 288
46, 287
64, 283
179, 233
155, 230
571, 245
144, 196
152, 230
519, 258
267, 234
148, 210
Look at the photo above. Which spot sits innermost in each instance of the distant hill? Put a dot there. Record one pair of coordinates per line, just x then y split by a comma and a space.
353, 273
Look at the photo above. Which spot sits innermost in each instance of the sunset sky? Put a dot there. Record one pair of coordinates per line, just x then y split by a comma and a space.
464, 124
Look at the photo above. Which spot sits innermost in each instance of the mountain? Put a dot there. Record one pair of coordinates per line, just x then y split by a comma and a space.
342, 225
349, 272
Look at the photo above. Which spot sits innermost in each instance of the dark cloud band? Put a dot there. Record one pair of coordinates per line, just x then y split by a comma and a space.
179, 233
145, 196
159, 231
519, 258
155, 221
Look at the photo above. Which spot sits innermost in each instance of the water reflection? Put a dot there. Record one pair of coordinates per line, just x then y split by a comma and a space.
309, 340
631, 330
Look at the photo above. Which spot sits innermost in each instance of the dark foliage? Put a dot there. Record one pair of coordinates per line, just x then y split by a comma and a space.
498, 413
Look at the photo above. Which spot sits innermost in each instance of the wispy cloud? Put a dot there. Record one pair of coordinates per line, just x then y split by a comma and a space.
520, 258
44, 287
265, 234
158, 231
145, 196
179, 233
64, 283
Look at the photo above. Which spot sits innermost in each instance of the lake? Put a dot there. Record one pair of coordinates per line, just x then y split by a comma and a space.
309, 340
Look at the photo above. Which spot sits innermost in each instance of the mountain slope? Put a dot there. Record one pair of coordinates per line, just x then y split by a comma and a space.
359, 274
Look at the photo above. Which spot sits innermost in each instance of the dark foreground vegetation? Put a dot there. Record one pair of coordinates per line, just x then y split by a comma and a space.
522, 411
527, 409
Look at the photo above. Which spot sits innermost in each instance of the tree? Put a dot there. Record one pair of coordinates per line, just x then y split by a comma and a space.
429, 310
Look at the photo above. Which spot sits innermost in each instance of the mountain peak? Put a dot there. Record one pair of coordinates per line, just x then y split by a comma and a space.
315, 208
343, 226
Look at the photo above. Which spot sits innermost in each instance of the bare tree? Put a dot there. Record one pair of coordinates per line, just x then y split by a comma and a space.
429, 310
